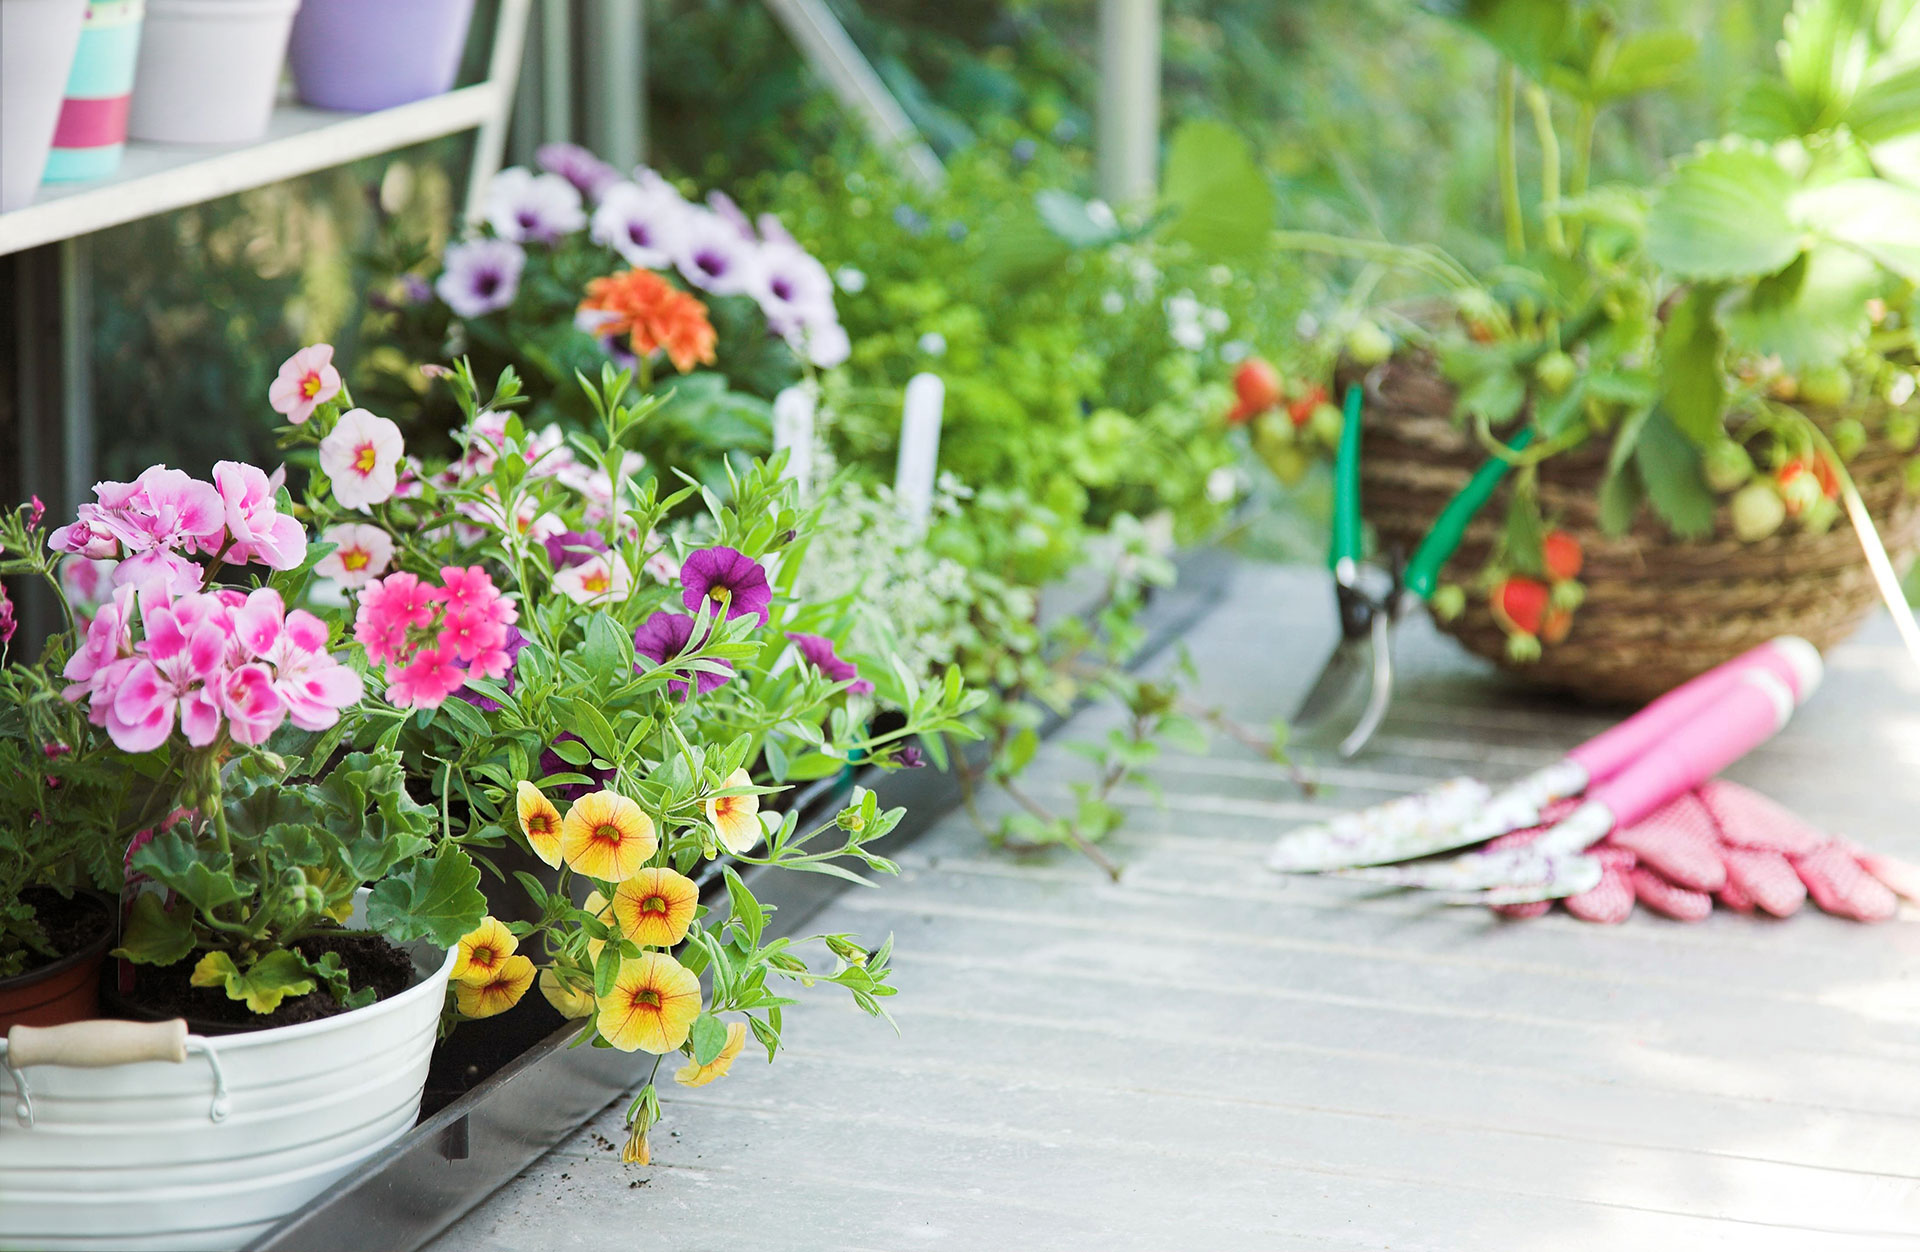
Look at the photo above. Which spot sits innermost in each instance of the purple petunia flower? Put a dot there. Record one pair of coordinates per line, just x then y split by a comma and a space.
533, 208
642, 222
515, 642
574, 547
713, 256
481, 276
588, 173
819, 652
795, 291
552, 762
664, 636
734, 581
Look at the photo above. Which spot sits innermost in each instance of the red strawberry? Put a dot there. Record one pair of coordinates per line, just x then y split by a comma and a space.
1258, 386
1562, 555
1520, 604
1301, 410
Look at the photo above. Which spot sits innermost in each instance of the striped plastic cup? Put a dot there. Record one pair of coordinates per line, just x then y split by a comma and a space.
92, 133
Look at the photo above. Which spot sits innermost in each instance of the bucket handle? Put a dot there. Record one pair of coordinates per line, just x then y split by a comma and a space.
104, 1042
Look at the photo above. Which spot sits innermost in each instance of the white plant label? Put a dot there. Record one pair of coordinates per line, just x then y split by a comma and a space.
793, 411
919, 448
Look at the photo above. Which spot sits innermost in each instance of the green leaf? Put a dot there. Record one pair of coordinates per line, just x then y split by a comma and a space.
708, 1036
1222, 202
1530, 33
1814, 312
1068, 217
154, 936
1621, 495
263, 985
437, 899
1887, 109
609, 649
748, 910
1644, 60
813, 765
1495, 396
1723, 214
1669, 465
1693, 379
1877, 218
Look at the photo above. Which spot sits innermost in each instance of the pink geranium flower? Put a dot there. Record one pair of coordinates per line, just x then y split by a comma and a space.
433, 639
361, 554
361, 457
307, 380
260, 531
161, 518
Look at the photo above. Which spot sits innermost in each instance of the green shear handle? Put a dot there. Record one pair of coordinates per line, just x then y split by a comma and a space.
1423, 570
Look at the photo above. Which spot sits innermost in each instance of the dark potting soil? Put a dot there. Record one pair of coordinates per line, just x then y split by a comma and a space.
161, 992
71, 924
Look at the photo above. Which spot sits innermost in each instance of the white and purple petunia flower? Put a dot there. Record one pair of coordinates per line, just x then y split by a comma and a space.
588, 173
713, 255
641, 221
533, 208
795, 290
481, 276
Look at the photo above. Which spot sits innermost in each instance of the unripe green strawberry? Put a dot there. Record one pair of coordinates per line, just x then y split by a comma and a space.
1289, 465
1758, 511
1820, 516
1449, 601
1799, 487
1826, 385
1556, 371
1568, 595
1849, 436
1726, 465
1325, 424
1367, 344
1911, 472
1903, 430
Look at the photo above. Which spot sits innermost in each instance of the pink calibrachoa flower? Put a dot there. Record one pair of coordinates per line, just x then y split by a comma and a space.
597, 580
307, 380
432, 639
732, 580
361, 554
819, 653
361, 456
160, 518
260, 531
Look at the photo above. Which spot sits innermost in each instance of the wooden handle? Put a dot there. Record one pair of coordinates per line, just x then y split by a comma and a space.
96, 1044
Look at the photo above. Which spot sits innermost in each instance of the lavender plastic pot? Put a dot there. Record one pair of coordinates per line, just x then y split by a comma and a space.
361, 55
37, 41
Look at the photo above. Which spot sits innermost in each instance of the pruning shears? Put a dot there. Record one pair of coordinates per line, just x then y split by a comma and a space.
1372, 601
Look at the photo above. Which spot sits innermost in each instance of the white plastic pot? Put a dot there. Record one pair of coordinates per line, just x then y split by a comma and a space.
209, 69
37, 41
209, 1147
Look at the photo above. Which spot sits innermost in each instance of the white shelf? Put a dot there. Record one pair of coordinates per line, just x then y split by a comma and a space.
157, 178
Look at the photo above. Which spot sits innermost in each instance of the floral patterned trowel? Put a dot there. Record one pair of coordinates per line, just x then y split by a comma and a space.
1623, 774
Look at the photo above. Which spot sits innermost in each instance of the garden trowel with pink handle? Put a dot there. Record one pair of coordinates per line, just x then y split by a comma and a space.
1462, 812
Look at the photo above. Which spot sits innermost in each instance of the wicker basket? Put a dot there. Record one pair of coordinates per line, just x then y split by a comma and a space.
1658, 610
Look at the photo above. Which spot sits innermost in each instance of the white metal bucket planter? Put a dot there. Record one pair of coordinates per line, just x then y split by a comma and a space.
144, 1137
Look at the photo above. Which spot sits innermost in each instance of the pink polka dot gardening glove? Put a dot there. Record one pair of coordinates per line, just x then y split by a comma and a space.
1726, 843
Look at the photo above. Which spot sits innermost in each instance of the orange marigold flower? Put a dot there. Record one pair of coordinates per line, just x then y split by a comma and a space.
655, 907
653, 314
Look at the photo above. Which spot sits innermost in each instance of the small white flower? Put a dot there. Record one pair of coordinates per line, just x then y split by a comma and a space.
1900, 390
1113, 302
933, 343
1219, 275
1189, 335
1100, 213
596, 581
1234, 351
1214, 320
361, 554
850, 280
1223, 485
361, 455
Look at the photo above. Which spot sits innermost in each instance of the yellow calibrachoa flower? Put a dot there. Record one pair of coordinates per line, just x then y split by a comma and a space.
600, 907
569, 1001
652, 1005
482, 951
636, 1153
500, 991
655, 907
606, 836
540, 823
695, 1075
736, 819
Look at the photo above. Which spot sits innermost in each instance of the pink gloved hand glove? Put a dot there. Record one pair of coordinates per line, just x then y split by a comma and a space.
1728, 843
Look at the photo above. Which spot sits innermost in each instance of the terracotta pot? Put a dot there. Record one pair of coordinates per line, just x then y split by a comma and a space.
67, 990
